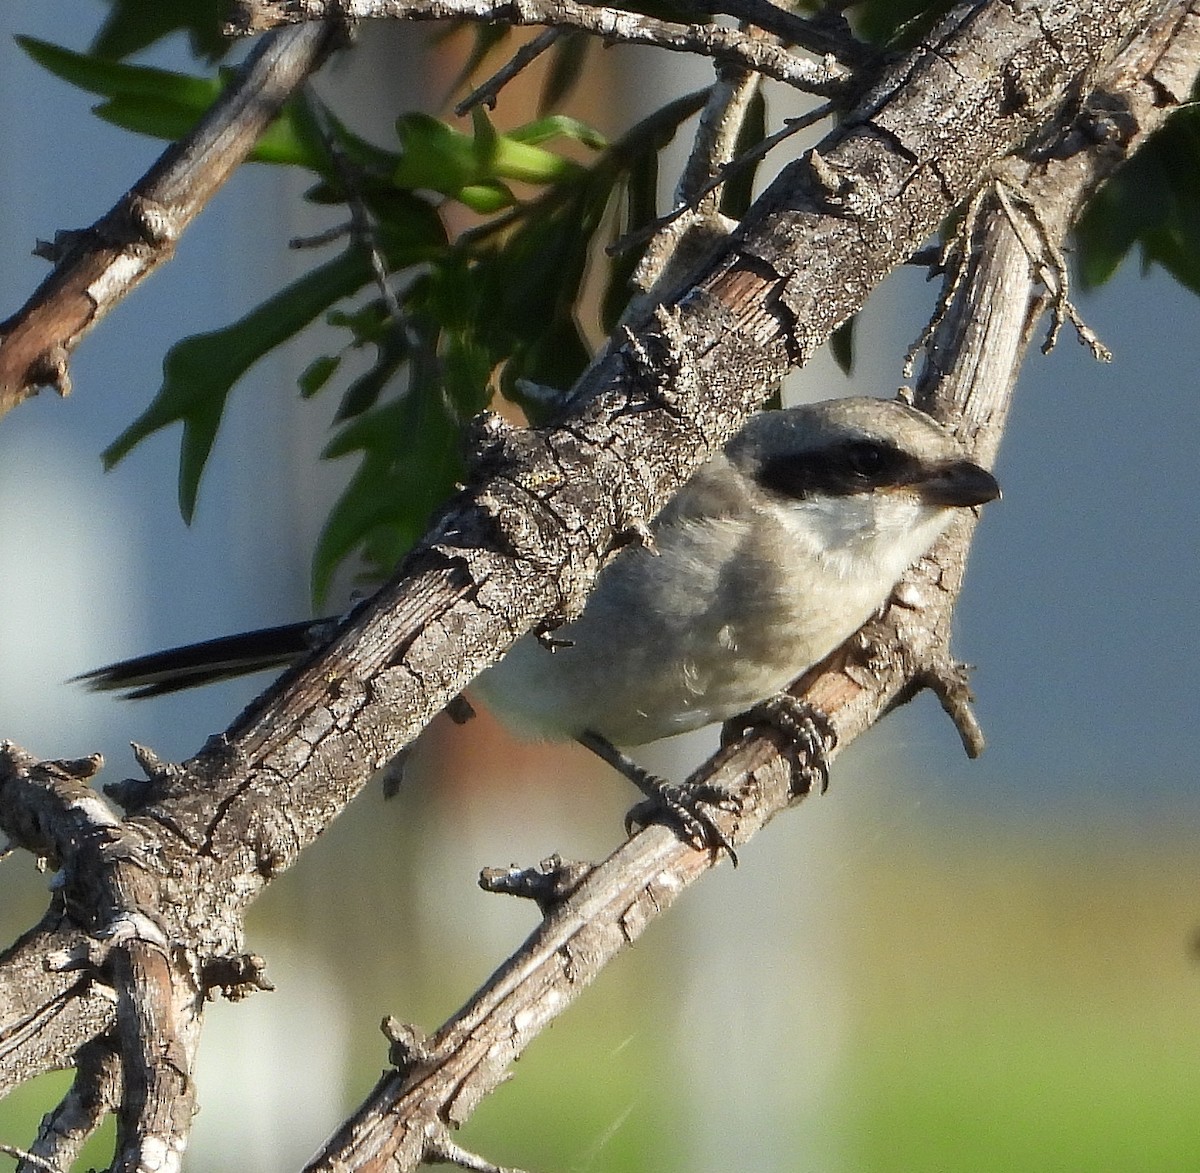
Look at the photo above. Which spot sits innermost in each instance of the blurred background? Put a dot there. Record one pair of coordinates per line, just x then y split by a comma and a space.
939, 965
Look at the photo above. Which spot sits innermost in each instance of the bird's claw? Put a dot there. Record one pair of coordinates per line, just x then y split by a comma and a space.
809, 730
683, 808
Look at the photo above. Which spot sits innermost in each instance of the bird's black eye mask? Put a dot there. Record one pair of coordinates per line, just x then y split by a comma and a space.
855, 466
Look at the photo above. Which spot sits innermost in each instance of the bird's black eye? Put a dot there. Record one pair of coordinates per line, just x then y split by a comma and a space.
867, 459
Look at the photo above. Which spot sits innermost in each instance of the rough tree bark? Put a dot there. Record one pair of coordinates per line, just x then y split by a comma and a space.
148, 916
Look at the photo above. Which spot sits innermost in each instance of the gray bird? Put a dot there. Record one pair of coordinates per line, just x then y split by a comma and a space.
776, 551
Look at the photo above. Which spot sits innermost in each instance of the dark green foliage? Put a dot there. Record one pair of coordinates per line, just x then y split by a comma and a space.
410, 463
200, 371
568, 57
897, 24
1154, 202
134, 24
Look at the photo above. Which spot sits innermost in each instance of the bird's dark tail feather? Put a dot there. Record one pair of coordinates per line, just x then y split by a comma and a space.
216, 659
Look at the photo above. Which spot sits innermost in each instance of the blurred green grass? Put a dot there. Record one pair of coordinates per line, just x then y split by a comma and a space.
1014, 1090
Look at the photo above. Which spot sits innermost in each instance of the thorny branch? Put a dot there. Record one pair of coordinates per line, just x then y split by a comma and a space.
132, 932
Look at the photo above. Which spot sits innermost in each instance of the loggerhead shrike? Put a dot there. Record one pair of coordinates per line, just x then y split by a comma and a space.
773, 553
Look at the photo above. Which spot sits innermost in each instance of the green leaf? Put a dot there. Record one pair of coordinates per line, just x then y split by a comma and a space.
155, 117
409, 466
368, 323
1152, 201
363, 393
317, 374
898, 23
168, 105
283, 143
113, 79
485, 198
555, 359
279, 143
511, 159
199, 372
566, 66
466, 365
134, 24
476, 168
433, 156
555, 126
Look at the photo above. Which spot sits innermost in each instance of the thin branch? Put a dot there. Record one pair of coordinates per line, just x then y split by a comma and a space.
31, 1159
92, 1096
614, 25
717, 134
521, 59
445, 1151
362, 224
97, 266
826, 34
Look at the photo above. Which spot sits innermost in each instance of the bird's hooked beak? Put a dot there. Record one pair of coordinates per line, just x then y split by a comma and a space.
958, 483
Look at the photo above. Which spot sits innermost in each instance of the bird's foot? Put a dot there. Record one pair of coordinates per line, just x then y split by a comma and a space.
682, 807
808, 729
